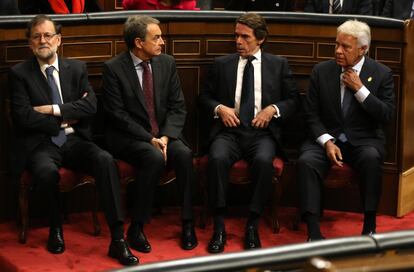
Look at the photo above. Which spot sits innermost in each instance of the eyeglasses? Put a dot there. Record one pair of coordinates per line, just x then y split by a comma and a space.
48, 36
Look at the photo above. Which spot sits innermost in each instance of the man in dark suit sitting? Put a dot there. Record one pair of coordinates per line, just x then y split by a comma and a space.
249, 94
52, 104
145, 106
349, 101
401, 9
363, 7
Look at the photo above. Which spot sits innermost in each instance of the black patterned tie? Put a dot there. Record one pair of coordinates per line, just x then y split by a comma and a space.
148, 89
336, 7
247, 94
59, 139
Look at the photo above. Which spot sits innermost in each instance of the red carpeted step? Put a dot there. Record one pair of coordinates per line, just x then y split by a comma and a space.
84, 252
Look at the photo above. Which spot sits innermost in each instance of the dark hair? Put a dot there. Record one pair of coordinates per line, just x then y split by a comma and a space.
255, 22
136, 27
40, 19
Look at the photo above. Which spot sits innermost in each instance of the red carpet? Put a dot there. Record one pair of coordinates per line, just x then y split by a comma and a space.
85, 252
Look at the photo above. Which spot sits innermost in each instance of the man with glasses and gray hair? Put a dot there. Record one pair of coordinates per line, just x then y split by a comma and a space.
349, 100
52, 104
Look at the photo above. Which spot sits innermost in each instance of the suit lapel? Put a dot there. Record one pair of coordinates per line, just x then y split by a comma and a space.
40, 81
266, 75
232, 77
335, 87
157, 76
65, 75
367, 78
131, 75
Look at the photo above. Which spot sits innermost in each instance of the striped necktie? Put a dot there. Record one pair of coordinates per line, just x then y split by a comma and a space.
336, 7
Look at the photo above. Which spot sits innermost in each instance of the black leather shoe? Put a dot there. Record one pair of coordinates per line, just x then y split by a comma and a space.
251, 238
368, 232
118, 249
188, 237
217, 242
55, 243
315, 239
139, 242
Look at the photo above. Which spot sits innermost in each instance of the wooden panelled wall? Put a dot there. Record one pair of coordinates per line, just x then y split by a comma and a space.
195, 42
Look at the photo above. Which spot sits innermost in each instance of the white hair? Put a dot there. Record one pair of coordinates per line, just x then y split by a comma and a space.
357, 29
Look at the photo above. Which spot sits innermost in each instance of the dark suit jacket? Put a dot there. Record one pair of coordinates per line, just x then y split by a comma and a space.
259, 5
9, 7
278, 87
28, 88
400, 9
124, 102
349, 6
363, 124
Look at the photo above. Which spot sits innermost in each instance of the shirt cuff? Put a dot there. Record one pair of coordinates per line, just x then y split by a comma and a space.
324, 138
362, 94
56, 110
277, 114
215, 111
69, 130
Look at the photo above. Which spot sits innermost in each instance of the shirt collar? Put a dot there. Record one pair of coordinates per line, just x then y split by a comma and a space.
44, 65
257, 55
357, 67
137, 61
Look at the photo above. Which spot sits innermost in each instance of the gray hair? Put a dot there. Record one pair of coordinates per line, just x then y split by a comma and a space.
359, 30
136, 27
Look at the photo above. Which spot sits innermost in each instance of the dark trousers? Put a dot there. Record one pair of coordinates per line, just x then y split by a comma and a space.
313, 166
150, 164
258, 148
44, 163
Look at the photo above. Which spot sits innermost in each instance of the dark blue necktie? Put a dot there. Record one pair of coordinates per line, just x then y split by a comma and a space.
346, 100
59, 139
247, 94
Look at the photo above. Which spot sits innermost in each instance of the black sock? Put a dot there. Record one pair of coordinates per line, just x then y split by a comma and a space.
312, 221
117, 231
369, 221
253, 220
188, 223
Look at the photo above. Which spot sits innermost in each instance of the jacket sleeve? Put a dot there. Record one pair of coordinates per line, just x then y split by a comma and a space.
85, 104
311, 107
23, 115
381, 106
175, 110
209, 93
290, 95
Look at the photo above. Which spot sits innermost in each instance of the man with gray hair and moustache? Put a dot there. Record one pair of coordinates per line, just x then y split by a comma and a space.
145, 106
349, 101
